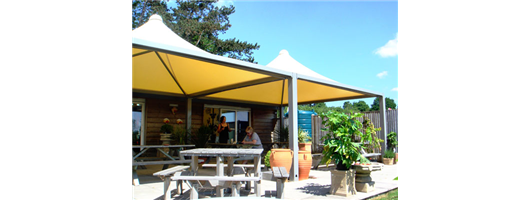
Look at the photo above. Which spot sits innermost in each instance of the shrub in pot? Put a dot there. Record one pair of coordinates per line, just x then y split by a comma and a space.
304, 141
393, 143
388, 157
338, 144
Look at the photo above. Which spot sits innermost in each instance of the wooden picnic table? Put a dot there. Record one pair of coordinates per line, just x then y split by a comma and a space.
227, 153
166, 161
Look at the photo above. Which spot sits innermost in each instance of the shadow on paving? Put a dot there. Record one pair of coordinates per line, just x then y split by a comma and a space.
316, 189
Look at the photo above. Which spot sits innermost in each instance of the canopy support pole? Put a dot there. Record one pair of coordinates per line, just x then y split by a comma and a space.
188, 120
281, 112
293, 125
382, 119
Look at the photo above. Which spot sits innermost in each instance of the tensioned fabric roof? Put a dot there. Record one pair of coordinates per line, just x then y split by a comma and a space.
164, 63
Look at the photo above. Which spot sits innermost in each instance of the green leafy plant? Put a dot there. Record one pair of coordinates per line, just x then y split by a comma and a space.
179, 135
303, 136
201, 136
338, 144
267, 159
369, 139
166, 128
392, 140
389, 154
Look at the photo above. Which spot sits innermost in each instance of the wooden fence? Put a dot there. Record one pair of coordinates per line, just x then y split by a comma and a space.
391, 125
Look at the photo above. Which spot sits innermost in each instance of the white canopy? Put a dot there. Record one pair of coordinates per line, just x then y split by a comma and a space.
163, 63
284, 61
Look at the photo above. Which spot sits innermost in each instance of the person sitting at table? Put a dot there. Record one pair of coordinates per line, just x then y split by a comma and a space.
223, 130
251, 138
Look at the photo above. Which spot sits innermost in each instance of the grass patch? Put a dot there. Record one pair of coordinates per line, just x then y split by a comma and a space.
391, 195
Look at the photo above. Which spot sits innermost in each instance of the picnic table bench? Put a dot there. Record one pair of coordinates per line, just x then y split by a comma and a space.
231, 181
166, 175
247, 170
167, 160
281, 175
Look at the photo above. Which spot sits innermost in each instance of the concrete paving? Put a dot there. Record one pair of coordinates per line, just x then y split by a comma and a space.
317, 187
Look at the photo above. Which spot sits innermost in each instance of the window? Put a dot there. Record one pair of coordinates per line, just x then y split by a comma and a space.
138, 115
237, 118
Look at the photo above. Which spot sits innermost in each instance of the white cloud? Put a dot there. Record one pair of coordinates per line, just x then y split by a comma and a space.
382, 74
390, 48
395, 89
222, 3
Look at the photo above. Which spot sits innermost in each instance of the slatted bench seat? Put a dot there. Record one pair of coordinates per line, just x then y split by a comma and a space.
166, 175
161, 162
281, 175
232, 181
245, 167
235, 165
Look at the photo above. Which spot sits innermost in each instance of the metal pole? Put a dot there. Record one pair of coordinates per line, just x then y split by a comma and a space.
382, 111
293, 125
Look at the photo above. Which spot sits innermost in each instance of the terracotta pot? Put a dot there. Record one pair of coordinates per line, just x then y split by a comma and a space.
396, 158
304, 147
281, 158
304, 164
388, 161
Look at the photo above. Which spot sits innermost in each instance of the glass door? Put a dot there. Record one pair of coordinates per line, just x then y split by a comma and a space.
243, 120
238, 120
138, 110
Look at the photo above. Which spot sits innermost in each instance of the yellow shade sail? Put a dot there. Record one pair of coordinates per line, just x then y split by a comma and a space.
164, 63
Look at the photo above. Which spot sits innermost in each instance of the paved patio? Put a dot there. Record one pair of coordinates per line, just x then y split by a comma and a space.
316, 187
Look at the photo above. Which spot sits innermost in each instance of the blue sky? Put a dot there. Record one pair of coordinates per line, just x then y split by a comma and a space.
352, 42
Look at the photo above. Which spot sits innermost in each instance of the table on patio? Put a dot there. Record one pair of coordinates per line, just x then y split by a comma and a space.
166, 161
229, 154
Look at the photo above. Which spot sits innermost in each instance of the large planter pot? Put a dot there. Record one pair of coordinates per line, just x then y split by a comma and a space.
304, 164
282, 158
304, 147
342, 182
388, 161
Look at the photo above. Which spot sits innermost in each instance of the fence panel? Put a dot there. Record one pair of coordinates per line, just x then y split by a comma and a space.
392, 125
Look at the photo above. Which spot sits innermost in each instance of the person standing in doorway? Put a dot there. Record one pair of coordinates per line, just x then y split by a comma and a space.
223, 130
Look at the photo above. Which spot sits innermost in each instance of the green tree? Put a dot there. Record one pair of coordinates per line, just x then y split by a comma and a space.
347, 105
361, 106
199, 23
389, 103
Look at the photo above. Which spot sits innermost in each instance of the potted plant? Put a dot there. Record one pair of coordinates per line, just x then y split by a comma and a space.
166, 131
304, 154
393, 143
340, 148
179, 135
338, 144
201, 136
388, 157
304, 141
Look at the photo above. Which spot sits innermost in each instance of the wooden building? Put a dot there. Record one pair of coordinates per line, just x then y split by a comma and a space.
154, 108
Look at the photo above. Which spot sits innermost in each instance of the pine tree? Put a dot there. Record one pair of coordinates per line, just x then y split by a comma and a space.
199, 23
